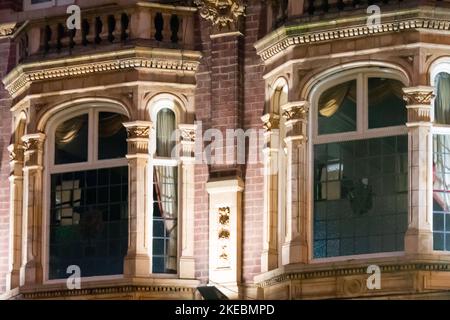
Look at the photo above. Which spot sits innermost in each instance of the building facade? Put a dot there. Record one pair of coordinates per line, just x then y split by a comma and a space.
273, 149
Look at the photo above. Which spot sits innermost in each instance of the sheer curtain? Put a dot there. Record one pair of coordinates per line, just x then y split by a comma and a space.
441, 169
166, 184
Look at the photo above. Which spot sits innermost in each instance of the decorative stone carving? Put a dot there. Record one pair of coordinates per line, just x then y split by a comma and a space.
33, 149
296, 115
7, 29
221, 13
224, 236
296, 112
271, 122
15, 152
138, 133
418, 100
188, 135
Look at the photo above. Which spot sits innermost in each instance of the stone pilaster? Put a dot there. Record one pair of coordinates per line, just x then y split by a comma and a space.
295, 246
225, 235
419, 236
137, 261
31, 270
269, 256
187, 261
16, 154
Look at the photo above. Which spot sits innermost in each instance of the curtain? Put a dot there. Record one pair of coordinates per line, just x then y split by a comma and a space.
442, 101
110, 124
441, 166
332, 99
68, 131
165, 127
166, 183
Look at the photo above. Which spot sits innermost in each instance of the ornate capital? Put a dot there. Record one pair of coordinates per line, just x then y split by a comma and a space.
7, 29
296, 111
222, 13
138, 133
188, 136
271, 121
33, 149
15, 152
418, 100
421, 95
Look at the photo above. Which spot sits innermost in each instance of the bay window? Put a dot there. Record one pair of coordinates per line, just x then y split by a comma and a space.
360, 166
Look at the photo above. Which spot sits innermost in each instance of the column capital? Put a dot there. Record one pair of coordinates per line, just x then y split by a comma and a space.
271, 121
138, 137
33, 149
188, 135
297, 110
16, 152
418, 102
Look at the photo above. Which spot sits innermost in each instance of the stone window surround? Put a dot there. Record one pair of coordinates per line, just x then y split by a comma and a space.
186, 164
27, 5
361, 75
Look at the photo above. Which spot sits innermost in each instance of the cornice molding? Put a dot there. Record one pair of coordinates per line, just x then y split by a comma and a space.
301, 33
159, 60
49, 294
351, 271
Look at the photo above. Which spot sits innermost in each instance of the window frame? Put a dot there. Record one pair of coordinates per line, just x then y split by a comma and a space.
154, 161
362, 133
93, 110
440, 66
28, 6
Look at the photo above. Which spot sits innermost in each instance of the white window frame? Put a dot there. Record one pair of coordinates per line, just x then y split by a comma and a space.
28, 6
362, 133
93, 111
440, 66
156, 107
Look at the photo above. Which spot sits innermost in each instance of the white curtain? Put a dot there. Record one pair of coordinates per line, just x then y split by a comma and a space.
166, 184
441, 168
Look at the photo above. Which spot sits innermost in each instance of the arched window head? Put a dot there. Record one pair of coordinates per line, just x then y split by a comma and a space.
442, 101
279, 96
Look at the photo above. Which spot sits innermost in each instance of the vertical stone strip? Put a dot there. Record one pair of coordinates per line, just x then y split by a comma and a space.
295, 246
419, 236
31, 270
137, 261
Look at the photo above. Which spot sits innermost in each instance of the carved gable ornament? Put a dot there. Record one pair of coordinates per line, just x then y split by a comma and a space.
222, 13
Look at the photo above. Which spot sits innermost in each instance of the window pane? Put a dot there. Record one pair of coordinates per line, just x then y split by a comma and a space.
89, 222
165, 127
386, 105
441, 191
441, 103
71, 140
112, 136
337, 109
165, 219
360, 196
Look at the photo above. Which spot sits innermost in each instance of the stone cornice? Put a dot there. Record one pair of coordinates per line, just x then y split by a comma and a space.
123, 289
306, 32
169, 60
350, 271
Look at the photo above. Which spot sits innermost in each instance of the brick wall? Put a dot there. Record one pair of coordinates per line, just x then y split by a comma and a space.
11, 4
7, 55
230, 94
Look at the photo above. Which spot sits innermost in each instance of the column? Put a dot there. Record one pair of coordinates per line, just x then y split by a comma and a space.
15, 210
187, 261
137, 260
31, 270
269, 256
419, 236
295, 246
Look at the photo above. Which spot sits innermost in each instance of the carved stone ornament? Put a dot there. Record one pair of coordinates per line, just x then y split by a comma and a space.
270, 122
7, 29
295, 112
418, 95
188, 134
221, 13
138, 132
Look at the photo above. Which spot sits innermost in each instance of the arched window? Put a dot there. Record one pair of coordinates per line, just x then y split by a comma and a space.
441, 160
165, 196
88, 178
360, 165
